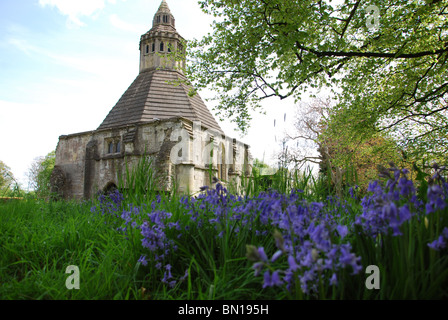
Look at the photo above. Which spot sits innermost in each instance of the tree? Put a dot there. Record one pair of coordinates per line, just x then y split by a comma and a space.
6, 179
385, 61
39, 174
310, 121
343, 157
355, 158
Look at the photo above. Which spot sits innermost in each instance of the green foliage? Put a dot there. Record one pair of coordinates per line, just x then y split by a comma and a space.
259, 166
389, 72
39, 174
9, 186
139, 183
346, 154
6, 179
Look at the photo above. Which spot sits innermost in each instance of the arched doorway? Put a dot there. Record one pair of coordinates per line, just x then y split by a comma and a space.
110, 187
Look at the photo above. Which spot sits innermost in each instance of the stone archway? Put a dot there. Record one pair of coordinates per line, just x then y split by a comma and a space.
110, 187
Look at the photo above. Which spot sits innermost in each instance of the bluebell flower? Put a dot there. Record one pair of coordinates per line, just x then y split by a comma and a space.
267, 280
308, 276
441, 242
275, 279
334, 280
293, 266
143, 261
342, 230
262, 254
349, 259
438, 244
185, 276
166, 276
276, 255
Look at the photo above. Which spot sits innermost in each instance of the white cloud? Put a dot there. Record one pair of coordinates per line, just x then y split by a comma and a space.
76, 9
123, 25
90, 63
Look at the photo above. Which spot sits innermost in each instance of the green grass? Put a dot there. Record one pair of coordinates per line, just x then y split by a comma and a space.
40, 239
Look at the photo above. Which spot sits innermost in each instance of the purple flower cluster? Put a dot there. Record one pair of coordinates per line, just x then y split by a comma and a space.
158, 243
310, 240
389, 207
128, 217
441, 242
437, 196
219, 208
152, 227
437, 192
153, 232
109, 204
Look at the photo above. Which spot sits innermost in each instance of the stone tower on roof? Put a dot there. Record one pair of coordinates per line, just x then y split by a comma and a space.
161, 90
151, 117
160, 41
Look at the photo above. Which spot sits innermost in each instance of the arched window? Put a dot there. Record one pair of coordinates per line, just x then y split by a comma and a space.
161, 46
147, 48
158, 19
111, 148
153, 46
169, 47
118, 147
165, 19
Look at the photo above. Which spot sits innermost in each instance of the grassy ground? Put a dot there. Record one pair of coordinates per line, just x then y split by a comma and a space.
40, 240
142, 246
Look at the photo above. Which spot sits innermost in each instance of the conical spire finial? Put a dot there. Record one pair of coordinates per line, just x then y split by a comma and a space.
164, 7
163, 15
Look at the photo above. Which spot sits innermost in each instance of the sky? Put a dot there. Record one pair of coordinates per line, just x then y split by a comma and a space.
65, 63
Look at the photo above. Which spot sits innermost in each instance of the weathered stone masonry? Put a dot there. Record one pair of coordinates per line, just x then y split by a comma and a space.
156, 106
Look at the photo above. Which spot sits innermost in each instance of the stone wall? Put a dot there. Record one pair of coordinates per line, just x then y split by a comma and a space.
70, 160
89, 166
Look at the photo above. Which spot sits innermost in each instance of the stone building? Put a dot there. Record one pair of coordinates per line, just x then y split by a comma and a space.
157, 117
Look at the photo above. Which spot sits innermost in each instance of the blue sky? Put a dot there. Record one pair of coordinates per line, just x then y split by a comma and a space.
65, 63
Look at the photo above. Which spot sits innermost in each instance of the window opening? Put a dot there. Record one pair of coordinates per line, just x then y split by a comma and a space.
111, 147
